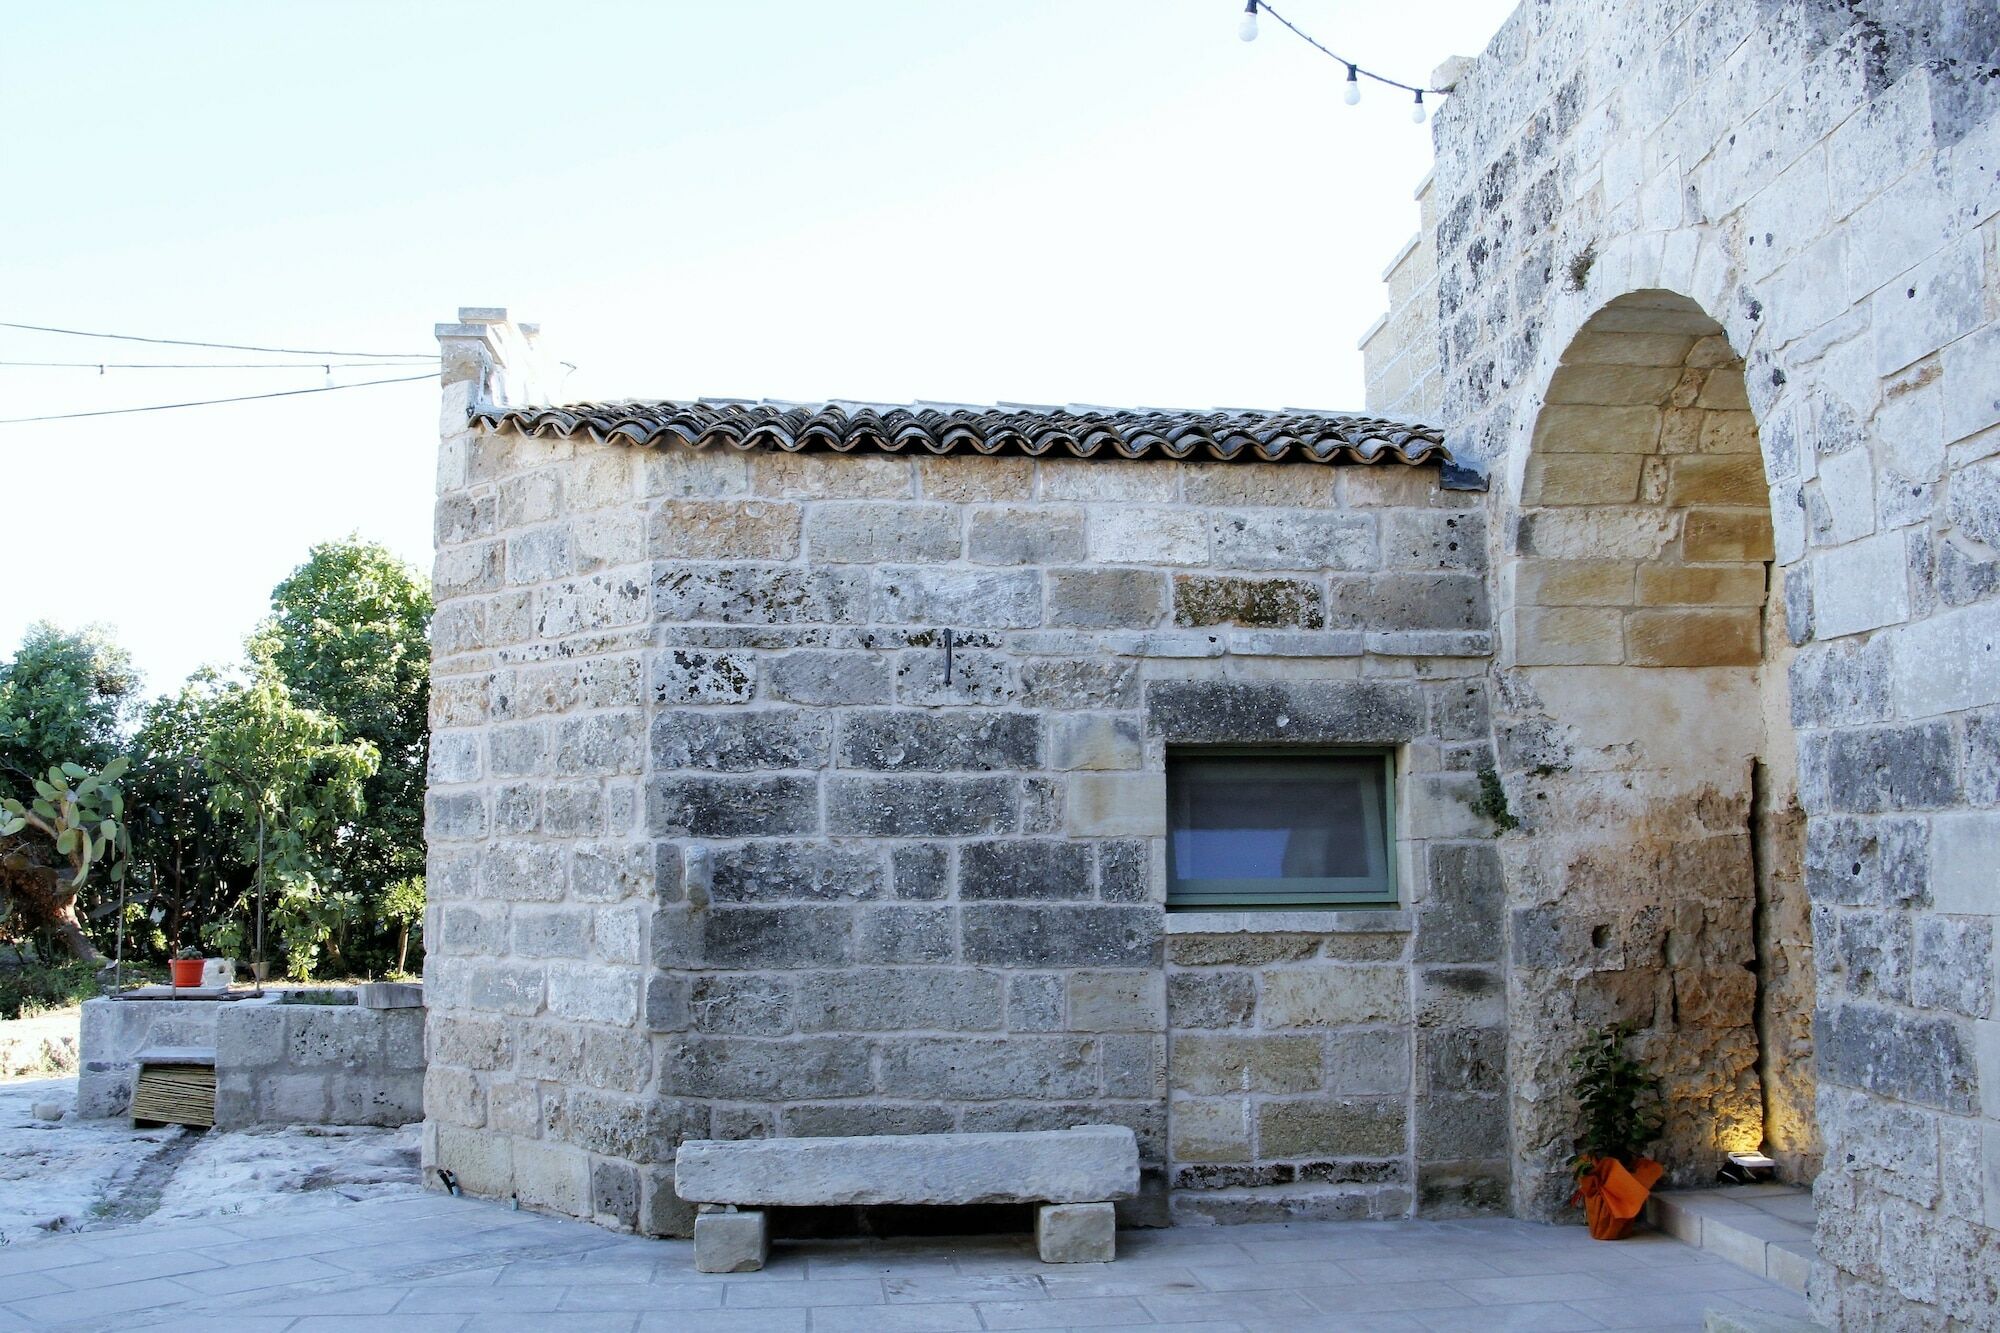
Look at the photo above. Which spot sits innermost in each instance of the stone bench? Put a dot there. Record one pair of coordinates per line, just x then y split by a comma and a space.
1074, 1174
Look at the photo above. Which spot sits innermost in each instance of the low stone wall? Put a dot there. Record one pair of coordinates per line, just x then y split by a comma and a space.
317, 1064
275, 1063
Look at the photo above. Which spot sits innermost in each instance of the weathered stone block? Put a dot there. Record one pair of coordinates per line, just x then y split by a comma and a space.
1076, 1233
907, 935
922, 871
1209, 1131
1211, 999
1333, 996
920, 806
1025, 869
1283, 603
921, 740
724, 530
731, 1242
759, 594
847, 532
1260, 712
765, 738
930, 596
1043, 535
1116, 805
1207, 1066
1064, 1166
695, 676
1094, 741
1025, 935
1117, 1002
1294, 540
732, 807
780, 870
1332, 1127
1694, 638
1106, 598
1133, 535
1078, 683
899, 999
776, 937
822, 677
748, 1069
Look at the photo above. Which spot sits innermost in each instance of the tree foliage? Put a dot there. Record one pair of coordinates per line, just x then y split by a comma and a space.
63, 699
293, 788
317, 744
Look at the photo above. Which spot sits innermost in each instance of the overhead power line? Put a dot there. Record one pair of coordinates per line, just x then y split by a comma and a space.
207, 365
226, 347
211, 402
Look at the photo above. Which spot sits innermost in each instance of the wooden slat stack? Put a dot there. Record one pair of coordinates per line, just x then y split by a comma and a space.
173, 1094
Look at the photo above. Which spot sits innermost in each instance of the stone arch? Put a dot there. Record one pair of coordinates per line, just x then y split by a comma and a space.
1643, 742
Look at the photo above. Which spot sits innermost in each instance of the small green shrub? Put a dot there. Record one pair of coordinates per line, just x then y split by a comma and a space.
1617, 1097
40, 988
316, 997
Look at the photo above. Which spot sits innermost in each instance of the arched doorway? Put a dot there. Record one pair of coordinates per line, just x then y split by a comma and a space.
1655, 877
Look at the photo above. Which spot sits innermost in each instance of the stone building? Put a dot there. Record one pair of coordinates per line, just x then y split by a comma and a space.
1709, 288
826, 769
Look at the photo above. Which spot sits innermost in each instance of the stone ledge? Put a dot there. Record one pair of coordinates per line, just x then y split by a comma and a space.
1313, 921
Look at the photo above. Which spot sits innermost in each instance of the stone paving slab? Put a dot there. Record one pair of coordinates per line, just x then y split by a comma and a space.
437, 1264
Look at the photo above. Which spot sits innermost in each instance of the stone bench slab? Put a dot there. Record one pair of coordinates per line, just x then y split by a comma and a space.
1094, 1164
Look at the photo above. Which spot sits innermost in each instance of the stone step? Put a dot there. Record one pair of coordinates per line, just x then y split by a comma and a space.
1766, 1229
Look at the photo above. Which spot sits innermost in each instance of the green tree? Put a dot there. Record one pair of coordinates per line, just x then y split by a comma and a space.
296, 788
348, 634
63, 700
186, 857
64, 697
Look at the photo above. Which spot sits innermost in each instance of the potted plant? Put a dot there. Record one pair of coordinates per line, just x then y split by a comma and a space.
1619, 1103
187, 965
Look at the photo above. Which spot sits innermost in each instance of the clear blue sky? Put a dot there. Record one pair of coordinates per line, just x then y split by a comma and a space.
1105, 201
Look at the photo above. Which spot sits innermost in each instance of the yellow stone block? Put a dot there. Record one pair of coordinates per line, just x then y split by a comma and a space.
1689, 638
1701, 585
1728, 433
1718, 479
1581, 479
1573, 583
1568, 635
1727, 534
1616, 385
1571, 428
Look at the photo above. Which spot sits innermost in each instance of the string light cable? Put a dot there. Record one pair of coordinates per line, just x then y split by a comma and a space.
1247, 30
211, 402
225, 347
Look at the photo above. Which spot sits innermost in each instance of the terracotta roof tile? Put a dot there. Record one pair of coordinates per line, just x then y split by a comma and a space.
1228, 435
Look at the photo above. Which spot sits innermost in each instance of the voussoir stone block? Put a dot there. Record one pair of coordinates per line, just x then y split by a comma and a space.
1094, 1164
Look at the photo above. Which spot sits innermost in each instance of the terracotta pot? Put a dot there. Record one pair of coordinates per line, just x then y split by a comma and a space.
187, 972
1613, 1196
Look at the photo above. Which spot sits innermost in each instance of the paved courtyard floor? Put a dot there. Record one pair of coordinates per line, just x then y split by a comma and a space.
440, 1263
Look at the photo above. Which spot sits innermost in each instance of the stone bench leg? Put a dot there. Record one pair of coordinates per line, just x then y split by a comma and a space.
730, 1242
1074, 1233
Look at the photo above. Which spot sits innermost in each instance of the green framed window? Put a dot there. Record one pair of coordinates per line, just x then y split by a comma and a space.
1280, 828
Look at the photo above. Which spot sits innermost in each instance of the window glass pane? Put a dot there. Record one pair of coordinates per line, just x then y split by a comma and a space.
1285, 828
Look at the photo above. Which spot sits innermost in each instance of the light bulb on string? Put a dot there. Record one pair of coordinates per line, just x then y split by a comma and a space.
1352, 96
1417, 109
1247, 29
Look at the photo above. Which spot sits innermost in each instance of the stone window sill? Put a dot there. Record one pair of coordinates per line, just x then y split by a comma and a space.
1315, 921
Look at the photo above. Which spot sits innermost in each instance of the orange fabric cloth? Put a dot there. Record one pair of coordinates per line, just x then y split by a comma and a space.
1612, 1196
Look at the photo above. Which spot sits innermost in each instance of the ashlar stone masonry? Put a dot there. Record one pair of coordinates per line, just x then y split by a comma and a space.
719, 849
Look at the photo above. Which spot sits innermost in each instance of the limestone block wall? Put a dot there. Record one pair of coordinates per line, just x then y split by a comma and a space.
318, 1064
1821, 182
718, 851
1399, 353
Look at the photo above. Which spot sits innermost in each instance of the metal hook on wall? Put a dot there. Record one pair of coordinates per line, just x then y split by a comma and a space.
947, 656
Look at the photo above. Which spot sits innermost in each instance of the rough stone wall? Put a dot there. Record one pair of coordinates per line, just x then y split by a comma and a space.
1400, 353
1821, 180
717, 851
318, 1064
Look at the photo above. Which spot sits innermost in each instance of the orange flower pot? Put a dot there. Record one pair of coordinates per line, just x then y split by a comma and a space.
1613, 1196
187, 972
